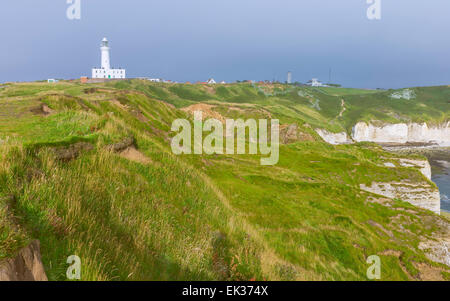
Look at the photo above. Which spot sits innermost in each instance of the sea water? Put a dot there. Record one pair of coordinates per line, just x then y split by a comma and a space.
439, 158
441, 176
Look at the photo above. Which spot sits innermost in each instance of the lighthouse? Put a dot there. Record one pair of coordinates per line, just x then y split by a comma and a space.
105, 54
106, 72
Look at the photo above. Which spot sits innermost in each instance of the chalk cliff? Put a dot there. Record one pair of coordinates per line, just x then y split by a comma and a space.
391, 133
422, 195
402, 133
333, 138
423, 165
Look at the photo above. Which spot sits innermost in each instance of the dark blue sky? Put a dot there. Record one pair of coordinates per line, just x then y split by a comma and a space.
190, 40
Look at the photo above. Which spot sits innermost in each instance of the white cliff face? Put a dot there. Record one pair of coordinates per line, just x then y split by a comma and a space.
423, 165
402, 133
422, 195
388, 133
333, 138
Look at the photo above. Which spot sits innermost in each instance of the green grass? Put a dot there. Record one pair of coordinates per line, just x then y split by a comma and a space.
12, 237
344, 91
311, 211
202, 217
446, 214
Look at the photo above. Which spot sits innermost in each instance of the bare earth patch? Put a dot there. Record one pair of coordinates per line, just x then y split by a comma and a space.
380, 200
210, 90
120, 105
132, 154
394, 253
26, 266
428, 272
42, 110
291, 133
380, 227
206, 109
343, 108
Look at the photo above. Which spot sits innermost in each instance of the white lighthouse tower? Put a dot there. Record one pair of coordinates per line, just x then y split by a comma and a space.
105, 54
289, 77
106, 71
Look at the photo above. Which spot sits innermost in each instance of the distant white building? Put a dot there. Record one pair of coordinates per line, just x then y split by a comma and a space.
289, 77
315, 83
105, 71
211, 81
52, 81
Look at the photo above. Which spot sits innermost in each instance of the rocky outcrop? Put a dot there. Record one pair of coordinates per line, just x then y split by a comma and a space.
437, 249
71, 152
423, 195
26, 266
402, 133
333, 138
122, 145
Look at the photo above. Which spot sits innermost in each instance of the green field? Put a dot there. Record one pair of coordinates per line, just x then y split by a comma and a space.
157, 216
344, 91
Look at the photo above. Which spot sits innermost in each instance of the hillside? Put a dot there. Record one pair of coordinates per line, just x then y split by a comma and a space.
88, 170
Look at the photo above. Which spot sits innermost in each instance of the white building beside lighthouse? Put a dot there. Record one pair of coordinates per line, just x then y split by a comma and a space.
106, 71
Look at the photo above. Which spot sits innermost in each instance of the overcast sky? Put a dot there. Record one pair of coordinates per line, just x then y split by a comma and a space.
190, 40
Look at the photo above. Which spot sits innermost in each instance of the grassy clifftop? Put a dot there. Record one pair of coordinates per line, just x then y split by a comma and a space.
335, 109
88, 170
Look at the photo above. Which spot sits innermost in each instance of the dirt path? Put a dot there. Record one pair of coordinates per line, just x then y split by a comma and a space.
343, 108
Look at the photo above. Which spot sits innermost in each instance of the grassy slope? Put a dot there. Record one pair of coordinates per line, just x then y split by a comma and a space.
197, 217
344, 91
319, 107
